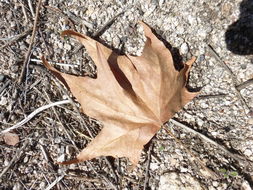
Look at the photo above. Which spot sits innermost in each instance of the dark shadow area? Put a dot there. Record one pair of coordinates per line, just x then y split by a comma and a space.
239, 35
177, 58
119, 74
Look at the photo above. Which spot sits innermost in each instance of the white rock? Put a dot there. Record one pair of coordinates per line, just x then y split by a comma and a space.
192, 20
60, 45
202, 33
200, 122
183, 170
26, 159
214, 133
67, 47
215, 184
204, 105
180, 30
6, 162
154, 166
184, 48
17, 186
3, 101
61, 158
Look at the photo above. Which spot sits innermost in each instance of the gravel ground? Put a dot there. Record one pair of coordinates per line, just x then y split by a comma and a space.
207, 145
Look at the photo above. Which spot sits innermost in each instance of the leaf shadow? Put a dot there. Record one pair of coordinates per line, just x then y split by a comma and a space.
239, 35
177, 58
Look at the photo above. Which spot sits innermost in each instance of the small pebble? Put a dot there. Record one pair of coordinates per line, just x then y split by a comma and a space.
42, 185
26, 159
6, 162
245, 186
250, 121
57, 140
3, 101
184, 48
183, 170
248, 152
215, 184
67, 47
154, 166
17, 186
61, 158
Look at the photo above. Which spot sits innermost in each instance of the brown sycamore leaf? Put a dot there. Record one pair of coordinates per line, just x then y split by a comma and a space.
132, 96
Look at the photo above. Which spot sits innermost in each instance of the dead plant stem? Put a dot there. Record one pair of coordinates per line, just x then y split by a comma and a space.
233, 77
27, 56
35, 112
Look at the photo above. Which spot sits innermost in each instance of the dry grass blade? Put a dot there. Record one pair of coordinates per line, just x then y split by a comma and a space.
31, 115
57, 180
234, 79
244, 84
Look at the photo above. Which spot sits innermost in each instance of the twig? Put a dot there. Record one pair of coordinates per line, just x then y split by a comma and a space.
15, 38
53, 63
222, 63
24, 12
234, 80
55, 182
5, 85
25, 63
80, 20
101, 30
35, 112
147, 167
212, 174
232, 155
16, 157
244, 84
211, 96
44, 153
62, 14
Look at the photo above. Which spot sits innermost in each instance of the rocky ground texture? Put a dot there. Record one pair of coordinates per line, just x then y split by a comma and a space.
207, 145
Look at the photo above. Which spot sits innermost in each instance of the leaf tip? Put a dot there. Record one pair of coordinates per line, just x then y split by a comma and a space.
191, 61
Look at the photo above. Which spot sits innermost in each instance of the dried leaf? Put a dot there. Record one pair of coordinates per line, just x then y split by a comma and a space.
11, 139
132, 96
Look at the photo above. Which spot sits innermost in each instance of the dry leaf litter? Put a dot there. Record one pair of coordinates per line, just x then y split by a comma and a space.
218, 113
